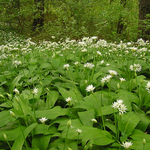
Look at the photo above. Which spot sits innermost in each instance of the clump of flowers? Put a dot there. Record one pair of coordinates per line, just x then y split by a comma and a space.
17, 63
94, 120
120, 106
89, 65
68, 100
43, 119
35, 91
66, 66
106, 79
148, 87
122, 80
112, 72
136, 67
127, 145
90, 88
16, 91
78, 131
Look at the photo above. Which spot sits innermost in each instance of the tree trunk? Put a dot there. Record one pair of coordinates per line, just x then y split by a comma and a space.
120, 27
144, 9
38, 20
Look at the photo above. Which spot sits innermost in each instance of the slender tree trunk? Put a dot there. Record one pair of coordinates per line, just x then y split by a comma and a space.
38, 20
120, 27
144, 9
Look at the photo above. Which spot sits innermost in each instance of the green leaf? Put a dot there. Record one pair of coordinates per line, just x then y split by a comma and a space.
41, 141
98, 136
45, 65
52, 97
12, 134
15, 82
128, 122
144, 120
20, 140
5, 117
86, 117
52, 113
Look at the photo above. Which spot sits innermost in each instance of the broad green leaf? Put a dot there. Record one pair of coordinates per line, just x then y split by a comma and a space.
20, 140
138, 135
73, 93
12, 134
52, 97
32, 68
44, 129
41, 141
51, 113
45, 65
128, 97
128, 122
86, 117
144, 119
55, 62
98, 136
5, 118
15, 82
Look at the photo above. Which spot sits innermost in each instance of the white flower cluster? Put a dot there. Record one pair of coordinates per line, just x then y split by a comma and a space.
16, 62
66, 66
43, 119
136, 67
69, 99
120, 106
89, 65
106, 79
112, 72
35, 91
127, 145
148, 87
90, 88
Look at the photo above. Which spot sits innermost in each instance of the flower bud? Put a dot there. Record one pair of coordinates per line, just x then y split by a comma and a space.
5, 137
144, 141
69, 123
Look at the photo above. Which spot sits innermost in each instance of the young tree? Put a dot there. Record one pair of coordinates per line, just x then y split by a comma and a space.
38, 20
144, 10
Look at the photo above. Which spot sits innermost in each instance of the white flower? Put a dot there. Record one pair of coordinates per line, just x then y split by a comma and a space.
84, 50
107, 64
66, 66
16, 91
79, 131
99, 53
43, 119
127, 145
120, 106
90, 88
135, 67
112, 72
122, 79
68, 100
89, 65
102, 61
106, 79
148, 87
94, 120
76, 63
35, 91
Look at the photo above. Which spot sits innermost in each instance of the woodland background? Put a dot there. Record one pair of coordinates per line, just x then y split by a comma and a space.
108, 19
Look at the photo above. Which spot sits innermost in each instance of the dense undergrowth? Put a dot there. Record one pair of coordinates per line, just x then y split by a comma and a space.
79, 95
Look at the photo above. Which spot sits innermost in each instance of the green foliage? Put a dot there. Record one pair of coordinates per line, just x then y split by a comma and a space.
82, 95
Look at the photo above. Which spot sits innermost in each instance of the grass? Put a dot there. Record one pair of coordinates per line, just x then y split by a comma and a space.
79, 95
